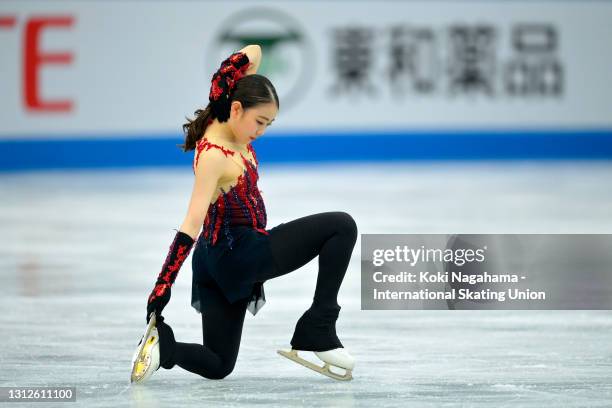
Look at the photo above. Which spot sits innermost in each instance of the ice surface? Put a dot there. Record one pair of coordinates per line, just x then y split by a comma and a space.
79, 253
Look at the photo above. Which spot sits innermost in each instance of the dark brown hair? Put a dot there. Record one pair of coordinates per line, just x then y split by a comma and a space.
250, 91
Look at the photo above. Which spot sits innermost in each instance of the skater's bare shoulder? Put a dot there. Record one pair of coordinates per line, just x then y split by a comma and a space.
210, 162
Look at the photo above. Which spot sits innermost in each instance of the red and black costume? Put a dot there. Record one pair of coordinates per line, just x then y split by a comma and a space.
242, 204
237, 214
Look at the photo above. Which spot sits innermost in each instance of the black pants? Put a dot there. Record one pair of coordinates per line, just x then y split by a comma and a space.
329, 235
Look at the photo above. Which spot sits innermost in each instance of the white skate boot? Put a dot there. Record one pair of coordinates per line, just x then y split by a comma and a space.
145, 360
332, 358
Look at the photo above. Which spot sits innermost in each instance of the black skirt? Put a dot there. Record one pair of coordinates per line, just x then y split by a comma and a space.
233, 270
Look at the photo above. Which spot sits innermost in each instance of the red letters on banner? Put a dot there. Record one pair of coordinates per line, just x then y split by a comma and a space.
34, 59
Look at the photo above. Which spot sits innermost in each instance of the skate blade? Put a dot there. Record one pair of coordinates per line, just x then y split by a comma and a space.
140, 364
325, 370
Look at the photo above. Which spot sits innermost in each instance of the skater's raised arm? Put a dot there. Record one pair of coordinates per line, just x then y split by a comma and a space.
253, 52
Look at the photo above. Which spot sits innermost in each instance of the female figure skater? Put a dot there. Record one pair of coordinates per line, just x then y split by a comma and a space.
235, 253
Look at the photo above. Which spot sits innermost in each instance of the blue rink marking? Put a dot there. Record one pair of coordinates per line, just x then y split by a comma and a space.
100, 151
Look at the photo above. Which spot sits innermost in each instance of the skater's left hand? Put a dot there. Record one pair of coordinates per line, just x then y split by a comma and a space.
158, 299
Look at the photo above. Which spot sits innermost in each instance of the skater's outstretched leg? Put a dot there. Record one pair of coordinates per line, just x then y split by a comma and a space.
222, 324
332, 237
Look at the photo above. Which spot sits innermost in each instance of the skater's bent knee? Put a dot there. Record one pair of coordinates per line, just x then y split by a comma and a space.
347, 225
220, 373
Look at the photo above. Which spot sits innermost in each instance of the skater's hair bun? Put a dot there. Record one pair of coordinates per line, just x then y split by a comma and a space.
249, 90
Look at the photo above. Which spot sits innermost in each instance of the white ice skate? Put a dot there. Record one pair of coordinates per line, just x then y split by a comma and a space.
333, 358
146, 357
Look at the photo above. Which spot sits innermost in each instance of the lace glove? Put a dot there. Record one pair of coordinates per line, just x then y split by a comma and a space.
178, 252
224, 81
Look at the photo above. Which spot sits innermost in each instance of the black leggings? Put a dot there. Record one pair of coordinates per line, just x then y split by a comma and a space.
330, 235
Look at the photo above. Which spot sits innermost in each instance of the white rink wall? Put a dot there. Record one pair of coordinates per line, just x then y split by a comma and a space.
444, 80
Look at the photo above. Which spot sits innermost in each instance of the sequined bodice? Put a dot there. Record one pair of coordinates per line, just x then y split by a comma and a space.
241, 204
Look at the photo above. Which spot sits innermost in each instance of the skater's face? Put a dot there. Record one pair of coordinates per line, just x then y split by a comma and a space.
250, 124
